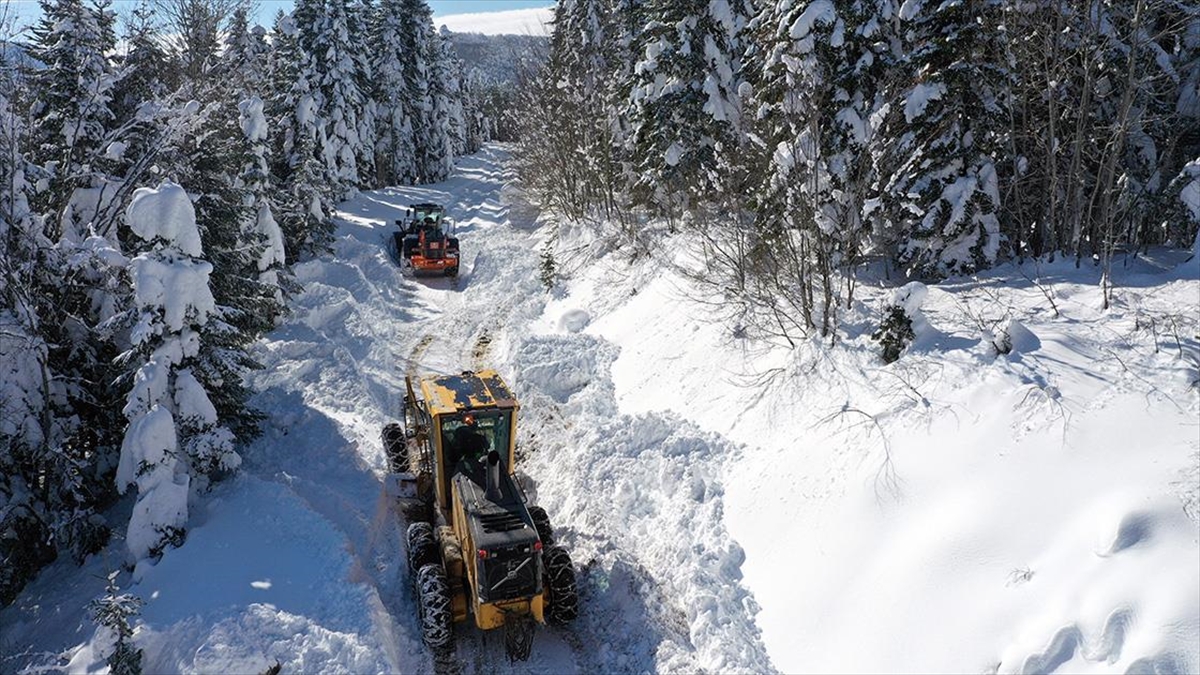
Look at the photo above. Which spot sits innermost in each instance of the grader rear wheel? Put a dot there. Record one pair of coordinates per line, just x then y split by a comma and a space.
433, 596
559, 580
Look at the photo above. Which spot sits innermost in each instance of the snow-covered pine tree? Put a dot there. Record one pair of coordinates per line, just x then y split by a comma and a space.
333, 71
22, 350
244, 63
864, 63
450, 96
24, 396
623, 27
265, 232
241, 240
70, 113
174, 434
684, 107
1145, 50
416, 34
395, 151
76, 284
818, 70
1186, 185
944, 127
477, 123
244, 69
784, 266
112, 613
1174, 121
360, 18
438, 147
1189, 196
303, 198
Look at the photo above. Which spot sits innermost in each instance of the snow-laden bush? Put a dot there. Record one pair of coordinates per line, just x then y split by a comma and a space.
112, 613
1190, 196
1013, 337
896, 331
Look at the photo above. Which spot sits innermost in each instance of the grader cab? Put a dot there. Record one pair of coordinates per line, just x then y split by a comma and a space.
477, 549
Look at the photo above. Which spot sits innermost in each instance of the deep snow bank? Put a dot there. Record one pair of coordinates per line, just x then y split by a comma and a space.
958, 511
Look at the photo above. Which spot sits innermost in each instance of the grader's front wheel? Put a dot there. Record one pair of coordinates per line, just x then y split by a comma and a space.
395, 447
541, 522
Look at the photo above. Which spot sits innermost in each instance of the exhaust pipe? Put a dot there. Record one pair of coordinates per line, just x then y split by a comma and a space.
493, 476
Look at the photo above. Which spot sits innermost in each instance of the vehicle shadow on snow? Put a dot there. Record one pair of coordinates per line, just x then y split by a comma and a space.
306, 450
621, 627
623, 622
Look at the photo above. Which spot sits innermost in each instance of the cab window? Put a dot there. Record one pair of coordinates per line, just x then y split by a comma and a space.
471, 436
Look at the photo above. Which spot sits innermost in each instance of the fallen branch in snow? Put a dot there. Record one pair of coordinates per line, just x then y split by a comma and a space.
1047, 292
885, 475
1054, 399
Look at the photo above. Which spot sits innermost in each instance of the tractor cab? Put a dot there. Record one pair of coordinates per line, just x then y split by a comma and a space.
418, 214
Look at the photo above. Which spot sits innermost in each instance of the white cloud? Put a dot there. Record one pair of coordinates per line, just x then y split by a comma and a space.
509, 22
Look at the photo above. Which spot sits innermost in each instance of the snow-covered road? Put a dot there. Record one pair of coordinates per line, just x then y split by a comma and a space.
299, 559
636, 501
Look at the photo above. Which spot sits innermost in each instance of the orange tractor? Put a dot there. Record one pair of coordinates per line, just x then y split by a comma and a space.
424, 243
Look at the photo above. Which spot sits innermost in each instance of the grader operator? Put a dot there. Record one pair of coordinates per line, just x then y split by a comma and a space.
476, 547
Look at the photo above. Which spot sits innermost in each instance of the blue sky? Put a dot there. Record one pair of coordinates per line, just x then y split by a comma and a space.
27, 11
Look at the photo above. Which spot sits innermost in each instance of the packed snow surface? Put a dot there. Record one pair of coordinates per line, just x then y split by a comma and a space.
730, 506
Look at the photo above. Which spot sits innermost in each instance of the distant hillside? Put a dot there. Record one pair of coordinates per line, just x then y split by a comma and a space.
16, 53
498, 58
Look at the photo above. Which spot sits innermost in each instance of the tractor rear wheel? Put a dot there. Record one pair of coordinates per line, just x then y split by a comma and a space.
395, 447
422, 546
562, 604
541, 522
433, 598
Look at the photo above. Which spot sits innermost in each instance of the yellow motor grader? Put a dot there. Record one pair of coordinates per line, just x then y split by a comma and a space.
476, 546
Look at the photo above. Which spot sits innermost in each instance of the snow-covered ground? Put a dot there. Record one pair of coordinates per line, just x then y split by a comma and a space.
729, 507
956, 511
